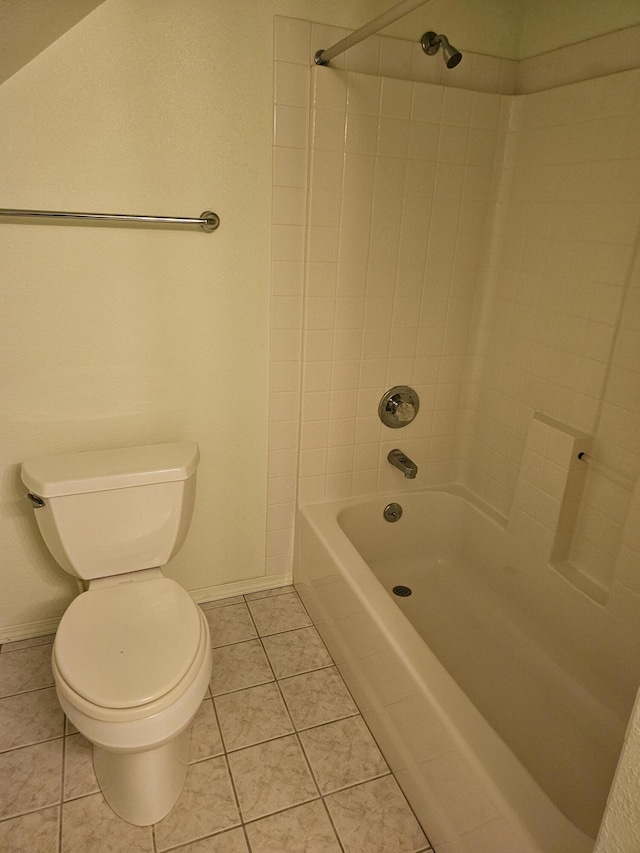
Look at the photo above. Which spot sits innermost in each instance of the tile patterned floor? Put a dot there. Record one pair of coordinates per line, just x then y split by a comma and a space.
281, 760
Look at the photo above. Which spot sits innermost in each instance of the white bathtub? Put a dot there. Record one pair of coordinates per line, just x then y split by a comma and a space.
498, 692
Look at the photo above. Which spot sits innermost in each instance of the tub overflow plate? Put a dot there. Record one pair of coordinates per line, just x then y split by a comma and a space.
392, 512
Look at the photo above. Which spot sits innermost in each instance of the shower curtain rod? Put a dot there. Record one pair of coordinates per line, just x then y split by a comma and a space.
323, 57
208, 220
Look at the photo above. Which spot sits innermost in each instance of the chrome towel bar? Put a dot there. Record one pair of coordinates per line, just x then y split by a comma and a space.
208, 220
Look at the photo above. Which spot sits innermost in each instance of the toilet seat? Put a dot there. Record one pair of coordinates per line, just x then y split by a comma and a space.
144, 726
125, 649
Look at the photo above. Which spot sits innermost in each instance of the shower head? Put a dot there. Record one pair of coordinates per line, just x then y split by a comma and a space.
432, 42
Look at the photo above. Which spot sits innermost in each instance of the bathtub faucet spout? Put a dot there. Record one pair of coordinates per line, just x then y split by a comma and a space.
408, 468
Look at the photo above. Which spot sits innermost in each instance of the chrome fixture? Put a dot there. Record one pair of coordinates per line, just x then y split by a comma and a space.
36, 502
392, 512
398, 406
605, 470
403, 463
208, 220
323, 57
432, 42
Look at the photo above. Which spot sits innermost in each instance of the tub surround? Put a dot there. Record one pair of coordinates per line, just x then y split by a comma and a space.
463, 314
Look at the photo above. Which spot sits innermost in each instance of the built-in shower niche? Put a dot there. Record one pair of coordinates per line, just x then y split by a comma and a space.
548, 496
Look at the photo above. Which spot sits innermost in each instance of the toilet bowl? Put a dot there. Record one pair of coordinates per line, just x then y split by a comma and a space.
132, 655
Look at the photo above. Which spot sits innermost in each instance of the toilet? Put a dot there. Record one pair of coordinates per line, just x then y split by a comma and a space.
132, 655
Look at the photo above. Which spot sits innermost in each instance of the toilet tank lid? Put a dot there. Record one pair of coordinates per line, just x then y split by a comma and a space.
101, 470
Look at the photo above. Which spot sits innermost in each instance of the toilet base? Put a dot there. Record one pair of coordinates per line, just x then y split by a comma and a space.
143, 787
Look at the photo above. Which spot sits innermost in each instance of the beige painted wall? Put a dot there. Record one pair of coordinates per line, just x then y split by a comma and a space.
29, 26
491, 27
112, 337
548, 24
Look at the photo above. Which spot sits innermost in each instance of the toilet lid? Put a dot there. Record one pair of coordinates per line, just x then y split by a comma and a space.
126, 645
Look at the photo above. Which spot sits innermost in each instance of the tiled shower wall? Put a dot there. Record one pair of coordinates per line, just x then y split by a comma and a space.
406, 215
400, 181
334, 465
558, 302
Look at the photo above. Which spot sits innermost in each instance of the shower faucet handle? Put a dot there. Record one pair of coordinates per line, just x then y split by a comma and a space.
404, 412
398, 406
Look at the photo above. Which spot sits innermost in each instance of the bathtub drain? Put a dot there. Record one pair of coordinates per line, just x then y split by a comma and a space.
402, 591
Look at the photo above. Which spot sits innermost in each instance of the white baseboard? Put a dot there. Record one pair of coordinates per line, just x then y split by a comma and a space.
28, 630
226, 590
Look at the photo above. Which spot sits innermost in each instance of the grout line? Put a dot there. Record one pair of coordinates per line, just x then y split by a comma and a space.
35, 810
63, 773
358, 784
233, 788
333, 826
31, 743
5, 651
59, 847
33, 690
217, 718
283, 810
246, 837
23, 692
308, 763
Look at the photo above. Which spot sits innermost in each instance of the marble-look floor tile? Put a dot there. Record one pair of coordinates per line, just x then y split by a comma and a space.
205, 734
375, 818
28, 718
89, 826
31, 833
206, 805
268, 593
222, 602
231, 624
232, 841
317, 697
238, 666
271, 776
27, 669
251, 716
79, 775
303, 829
342, 753
279, 613
30, 777
297, 651
46, 639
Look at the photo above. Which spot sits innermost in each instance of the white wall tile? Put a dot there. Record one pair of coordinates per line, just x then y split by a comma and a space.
291, 126
291, 84
289, 167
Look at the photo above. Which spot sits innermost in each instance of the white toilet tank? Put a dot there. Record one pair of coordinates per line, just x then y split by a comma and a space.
111, 512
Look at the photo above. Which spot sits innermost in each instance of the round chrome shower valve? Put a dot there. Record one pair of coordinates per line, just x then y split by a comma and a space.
398, 406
